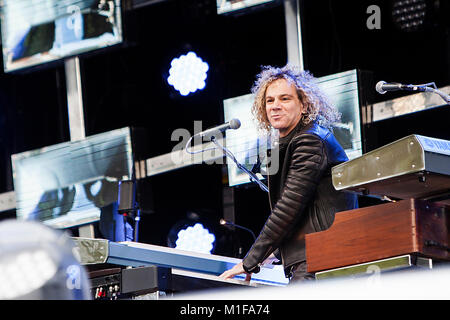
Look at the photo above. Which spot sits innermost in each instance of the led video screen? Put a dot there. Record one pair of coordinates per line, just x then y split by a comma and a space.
67, 184
35, 32
229, 6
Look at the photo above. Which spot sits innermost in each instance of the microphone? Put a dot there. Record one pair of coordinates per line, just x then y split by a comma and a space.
232, 124
224, 222
382, 87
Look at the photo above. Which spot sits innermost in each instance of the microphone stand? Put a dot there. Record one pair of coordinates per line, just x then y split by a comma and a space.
228, 223
224, 222
444, 96
136, 211
426, 88
252, 176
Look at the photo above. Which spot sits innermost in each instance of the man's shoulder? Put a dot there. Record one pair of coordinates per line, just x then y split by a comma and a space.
313, 130
318, 130
316, 134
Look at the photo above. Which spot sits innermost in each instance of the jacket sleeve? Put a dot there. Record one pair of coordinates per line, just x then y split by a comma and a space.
307, 165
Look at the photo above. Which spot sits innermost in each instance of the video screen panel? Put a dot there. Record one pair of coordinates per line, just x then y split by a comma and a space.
248, 144
67, 184
229, 6
35, 32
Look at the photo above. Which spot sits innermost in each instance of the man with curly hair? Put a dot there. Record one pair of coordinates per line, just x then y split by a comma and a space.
302, 197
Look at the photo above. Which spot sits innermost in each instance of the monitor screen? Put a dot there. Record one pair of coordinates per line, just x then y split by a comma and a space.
228, 6
248, 144
343, 91
39, 31
66, 184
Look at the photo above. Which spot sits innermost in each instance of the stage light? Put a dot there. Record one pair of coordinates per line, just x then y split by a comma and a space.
409, 15
25, 272
39, 263
195, 232
188, 73
195, 238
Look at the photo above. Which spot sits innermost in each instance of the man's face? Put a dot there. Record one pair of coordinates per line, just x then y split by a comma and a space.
283, 106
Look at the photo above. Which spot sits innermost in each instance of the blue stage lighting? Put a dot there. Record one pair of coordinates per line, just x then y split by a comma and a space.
188, 73
195, 238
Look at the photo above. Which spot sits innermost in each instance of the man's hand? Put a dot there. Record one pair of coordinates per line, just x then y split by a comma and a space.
237, 269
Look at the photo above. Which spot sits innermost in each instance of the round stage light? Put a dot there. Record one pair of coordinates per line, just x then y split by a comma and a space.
188, 73
39, 263
409, 15
195, 238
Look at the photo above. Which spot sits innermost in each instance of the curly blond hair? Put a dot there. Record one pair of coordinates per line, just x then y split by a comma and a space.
316, 105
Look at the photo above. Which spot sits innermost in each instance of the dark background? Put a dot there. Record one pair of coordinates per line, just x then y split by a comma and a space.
126, 86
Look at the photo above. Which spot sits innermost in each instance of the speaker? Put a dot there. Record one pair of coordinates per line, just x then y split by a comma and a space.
126, 196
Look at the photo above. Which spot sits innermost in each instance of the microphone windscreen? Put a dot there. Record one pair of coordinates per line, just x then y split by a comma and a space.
379, 87
235, 124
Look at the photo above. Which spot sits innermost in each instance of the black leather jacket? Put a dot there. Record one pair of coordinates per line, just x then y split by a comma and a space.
307, 201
